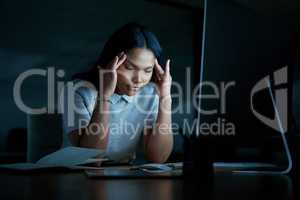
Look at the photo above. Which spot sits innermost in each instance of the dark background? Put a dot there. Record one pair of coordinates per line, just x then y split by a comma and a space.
70, 35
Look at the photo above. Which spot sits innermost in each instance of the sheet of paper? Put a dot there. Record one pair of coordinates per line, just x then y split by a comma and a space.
34, 166
155, 168
23, 166
71, 156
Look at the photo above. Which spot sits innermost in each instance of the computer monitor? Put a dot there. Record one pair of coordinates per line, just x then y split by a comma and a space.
241, 49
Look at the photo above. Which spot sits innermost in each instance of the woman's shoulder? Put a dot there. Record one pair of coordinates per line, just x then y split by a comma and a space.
80, 87
149, 89
149, 92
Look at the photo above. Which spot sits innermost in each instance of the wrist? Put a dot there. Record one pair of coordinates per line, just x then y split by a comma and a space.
168, 96
103, 98
165, 98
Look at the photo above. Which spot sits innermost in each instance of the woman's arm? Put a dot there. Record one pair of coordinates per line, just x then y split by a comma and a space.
95, 134
158, 141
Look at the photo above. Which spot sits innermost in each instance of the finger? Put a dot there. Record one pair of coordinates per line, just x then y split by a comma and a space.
158, 67
167, 67
121, 60
114, 62
157, 76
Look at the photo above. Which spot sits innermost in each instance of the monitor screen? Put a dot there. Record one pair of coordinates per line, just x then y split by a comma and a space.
243, 51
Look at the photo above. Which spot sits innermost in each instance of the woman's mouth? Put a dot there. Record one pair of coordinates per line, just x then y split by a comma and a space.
134, 88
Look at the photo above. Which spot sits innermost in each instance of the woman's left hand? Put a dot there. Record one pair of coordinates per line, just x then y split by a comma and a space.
163, 79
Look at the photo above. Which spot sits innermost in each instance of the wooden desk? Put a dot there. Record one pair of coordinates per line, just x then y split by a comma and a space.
73, 186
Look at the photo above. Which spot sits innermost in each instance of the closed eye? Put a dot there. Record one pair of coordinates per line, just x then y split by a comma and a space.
129, 67
149, 69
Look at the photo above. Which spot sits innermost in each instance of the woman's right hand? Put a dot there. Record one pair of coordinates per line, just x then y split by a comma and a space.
108, 76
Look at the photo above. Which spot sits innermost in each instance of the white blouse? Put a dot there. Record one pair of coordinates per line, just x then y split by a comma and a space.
128, 115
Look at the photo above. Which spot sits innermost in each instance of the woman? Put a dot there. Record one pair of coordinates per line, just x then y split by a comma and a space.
125, 94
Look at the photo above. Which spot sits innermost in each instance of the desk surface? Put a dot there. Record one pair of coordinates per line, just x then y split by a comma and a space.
75, 185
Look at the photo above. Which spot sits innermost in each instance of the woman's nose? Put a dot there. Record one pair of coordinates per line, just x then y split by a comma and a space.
137, 78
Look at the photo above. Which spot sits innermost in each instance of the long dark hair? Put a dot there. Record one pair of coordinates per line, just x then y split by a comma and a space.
131, 35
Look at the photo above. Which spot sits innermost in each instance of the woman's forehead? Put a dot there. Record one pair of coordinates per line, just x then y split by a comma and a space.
140, 57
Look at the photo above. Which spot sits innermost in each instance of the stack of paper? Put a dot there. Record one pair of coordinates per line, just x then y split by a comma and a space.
69, 157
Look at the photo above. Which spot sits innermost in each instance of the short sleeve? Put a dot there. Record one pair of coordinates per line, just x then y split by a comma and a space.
75, 114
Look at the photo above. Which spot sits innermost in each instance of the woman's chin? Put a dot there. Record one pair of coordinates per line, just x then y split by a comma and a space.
131, 93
